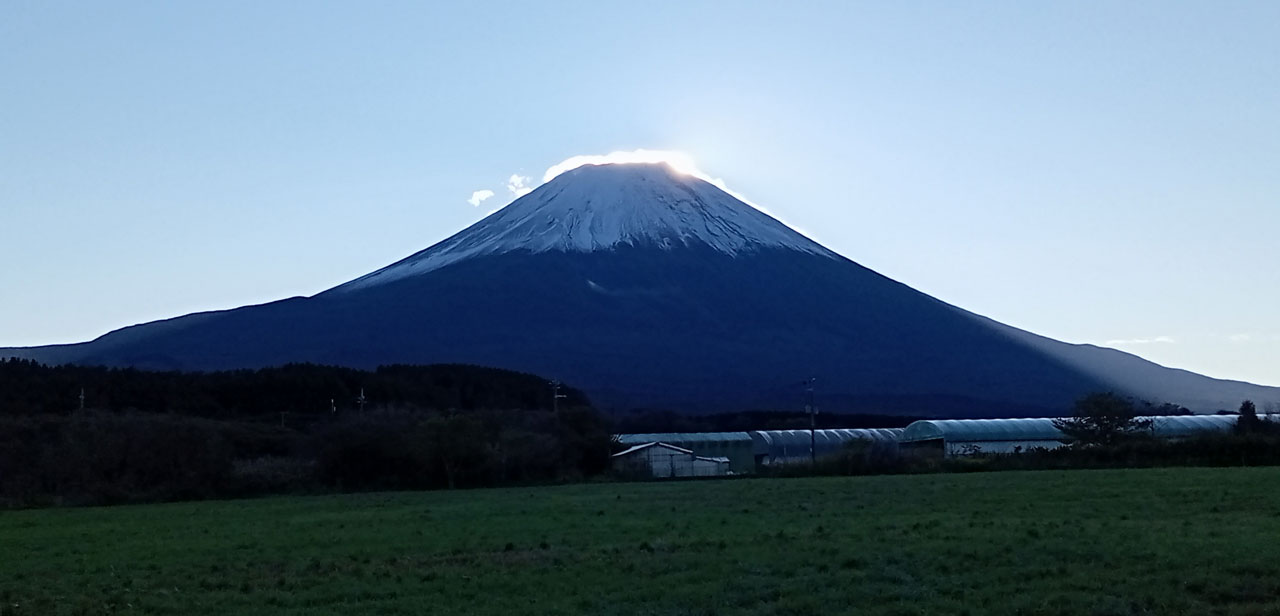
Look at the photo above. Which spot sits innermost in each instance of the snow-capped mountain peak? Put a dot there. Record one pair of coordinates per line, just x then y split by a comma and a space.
600, 207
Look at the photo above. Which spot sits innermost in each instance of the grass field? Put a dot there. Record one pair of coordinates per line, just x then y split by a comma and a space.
1170, 541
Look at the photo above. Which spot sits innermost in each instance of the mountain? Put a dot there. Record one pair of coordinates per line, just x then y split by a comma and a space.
652, 289
603, 207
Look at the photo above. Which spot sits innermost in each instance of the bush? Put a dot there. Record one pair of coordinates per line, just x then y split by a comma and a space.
369, 452
862, 457
104, 459
1210, 449
856, 457
415, 450
135, 458
273, 475
25, 460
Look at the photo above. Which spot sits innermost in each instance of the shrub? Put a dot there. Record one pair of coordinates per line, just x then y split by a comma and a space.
407, 449
134, 458
273, 475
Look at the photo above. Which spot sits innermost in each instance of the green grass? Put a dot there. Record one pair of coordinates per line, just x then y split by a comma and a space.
1169, 541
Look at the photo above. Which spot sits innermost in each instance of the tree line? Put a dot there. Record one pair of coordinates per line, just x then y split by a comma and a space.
161, 436
31, 388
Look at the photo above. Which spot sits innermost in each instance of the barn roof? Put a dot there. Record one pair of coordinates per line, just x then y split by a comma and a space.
651, 444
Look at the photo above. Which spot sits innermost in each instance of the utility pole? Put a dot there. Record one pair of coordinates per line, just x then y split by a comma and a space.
556, 396
360, 401
812, 410
81, 399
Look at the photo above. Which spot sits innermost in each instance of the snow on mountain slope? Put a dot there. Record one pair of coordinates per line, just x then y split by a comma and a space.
598, 207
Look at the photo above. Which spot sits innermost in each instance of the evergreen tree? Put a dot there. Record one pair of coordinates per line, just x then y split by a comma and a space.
1103, 419
1248, 422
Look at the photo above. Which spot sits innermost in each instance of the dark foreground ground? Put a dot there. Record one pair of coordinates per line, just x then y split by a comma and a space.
1170, 541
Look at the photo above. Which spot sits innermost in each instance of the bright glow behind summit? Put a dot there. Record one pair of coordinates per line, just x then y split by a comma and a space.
679, 161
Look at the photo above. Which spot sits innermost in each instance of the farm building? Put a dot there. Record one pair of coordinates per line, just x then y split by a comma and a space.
663, 460
784, 446
954, 437
736, 446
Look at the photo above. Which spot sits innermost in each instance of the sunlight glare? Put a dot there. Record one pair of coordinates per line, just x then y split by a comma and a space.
678, 161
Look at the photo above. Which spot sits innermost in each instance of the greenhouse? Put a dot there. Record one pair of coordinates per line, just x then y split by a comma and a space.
1175, 426
736, 446
783, 446
973, 436
660, 460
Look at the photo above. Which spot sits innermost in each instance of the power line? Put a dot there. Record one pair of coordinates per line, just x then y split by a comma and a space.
556, 396
812, 410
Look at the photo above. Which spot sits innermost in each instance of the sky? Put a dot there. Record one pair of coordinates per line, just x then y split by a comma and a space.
1096, 172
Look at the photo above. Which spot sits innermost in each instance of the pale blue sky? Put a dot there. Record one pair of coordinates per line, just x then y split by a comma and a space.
1091, 171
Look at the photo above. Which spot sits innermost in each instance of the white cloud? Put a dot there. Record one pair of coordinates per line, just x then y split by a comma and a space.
478, 196
1131, 341
519, 185
1240, 337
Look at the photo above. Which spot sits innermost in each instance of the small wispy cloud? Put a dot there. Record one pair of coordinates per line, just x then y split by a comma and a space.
1132, 341
1240, 337
519, 185
478, 196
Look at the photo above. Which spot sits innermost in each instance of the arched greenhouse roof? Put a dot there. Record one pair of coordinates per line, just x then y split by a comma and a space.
794, 443
685, 437
1183, 425
1042, 429
983, 430
801, 437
